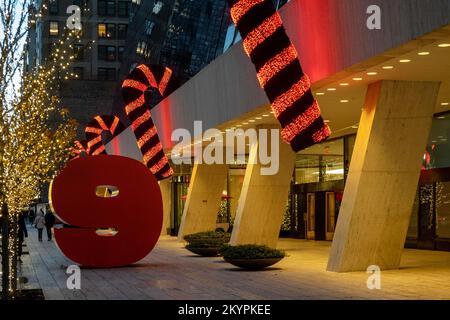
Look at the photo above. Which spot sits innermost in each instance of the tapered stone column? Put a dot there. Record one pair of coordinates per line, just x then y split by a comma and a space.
383, 176
166, 193
263, 199
203, 199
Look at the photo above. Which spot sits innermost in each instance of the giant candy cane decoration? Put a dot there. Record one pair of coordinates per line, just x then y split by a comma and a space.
279, 72
133, 89
94, 131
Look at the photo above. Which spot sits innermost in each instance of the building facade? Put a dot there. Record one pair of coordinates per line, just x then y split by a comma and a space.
98, 53
182, 35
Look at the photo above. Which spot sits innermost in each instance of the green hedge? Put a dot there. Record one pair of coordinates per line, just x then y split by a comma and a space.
250, 251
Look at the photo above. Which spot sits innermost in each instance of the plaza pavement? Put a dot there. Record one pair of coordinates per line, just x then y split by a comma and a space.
172, 272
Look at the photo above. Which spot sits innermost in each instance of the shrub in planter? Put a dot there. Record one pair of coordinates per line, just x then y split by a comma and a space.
206, 243
251, 256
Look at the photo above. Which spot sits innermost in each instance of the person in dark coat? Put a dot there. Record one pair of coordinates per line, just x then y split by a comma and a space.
22, 231
49, 223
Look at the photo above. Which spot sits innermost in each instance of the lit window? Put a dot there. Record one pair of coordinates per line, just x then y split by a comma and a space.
157, 8
54, 28
149, 25
101, 30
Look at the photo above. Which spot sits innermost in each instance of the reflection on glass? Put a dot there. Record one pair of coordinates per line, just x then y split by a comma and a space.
443, 209
320, 163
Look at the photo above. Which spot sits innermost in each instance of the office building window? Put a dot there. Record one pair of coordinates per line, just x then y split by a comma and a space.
122, 31
124, 10
53, 28
106, 30
106, 8
107, 53
157, 7
81, 3
78, 52
53, 7
149, 25
106, 74
78, 73
120, 52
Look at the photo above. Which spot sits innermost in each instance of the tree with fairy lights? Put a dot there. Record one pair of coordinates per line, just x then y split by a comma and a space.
35, 131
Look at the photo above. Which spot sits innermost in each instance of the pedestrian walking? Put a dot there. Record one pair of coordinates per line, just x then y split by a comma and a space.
22, 230
39, 223
49, 223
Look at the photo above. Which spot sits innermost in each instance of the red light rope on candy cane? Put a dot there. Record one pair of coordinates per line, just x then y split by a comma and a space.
279, 72
79, 148
133, 89
94, 131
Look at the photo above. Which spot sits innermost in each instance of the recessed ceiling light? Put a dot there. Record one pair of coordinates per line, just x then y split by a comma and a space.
266, 115
440, 137
344, 84
373, 73
331, 89
320, 93
441, 118
445, 103
355, 127
244, 123
405, 60
357, 79
251, 120
444, 45
344, 101
434, 141
239, 125
272, 112
388, 67
258, 118
424, 53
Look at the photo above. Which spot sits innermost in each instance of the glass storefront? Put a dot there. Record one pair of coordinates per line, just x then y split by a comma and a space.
317, 186
430, 220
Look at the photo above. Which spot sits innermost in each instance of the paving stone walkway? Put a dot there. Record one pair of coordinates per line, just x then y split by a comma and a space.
172, 272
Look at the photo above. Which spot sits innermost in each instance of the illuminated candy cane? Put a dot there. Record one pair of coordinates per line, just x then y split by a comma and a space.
133, 88
94, 131
279, 72
79, 148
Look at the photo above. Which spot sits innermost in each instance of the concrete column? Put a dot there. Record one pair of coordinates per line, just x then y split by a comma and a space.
166, 193
203, 199
383, 176
263, 199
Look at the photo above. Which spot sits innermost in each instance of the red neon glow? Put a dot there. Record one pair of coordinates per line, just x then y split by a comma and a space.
276, 64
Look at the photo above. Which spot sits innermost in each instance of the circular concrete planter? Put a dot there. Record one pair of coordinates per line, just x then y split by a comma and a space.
253, 264
205, 252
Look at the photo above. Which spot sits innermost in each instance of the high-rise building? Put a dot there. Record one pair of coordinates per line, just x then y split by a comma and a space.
185, 35
98, 53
